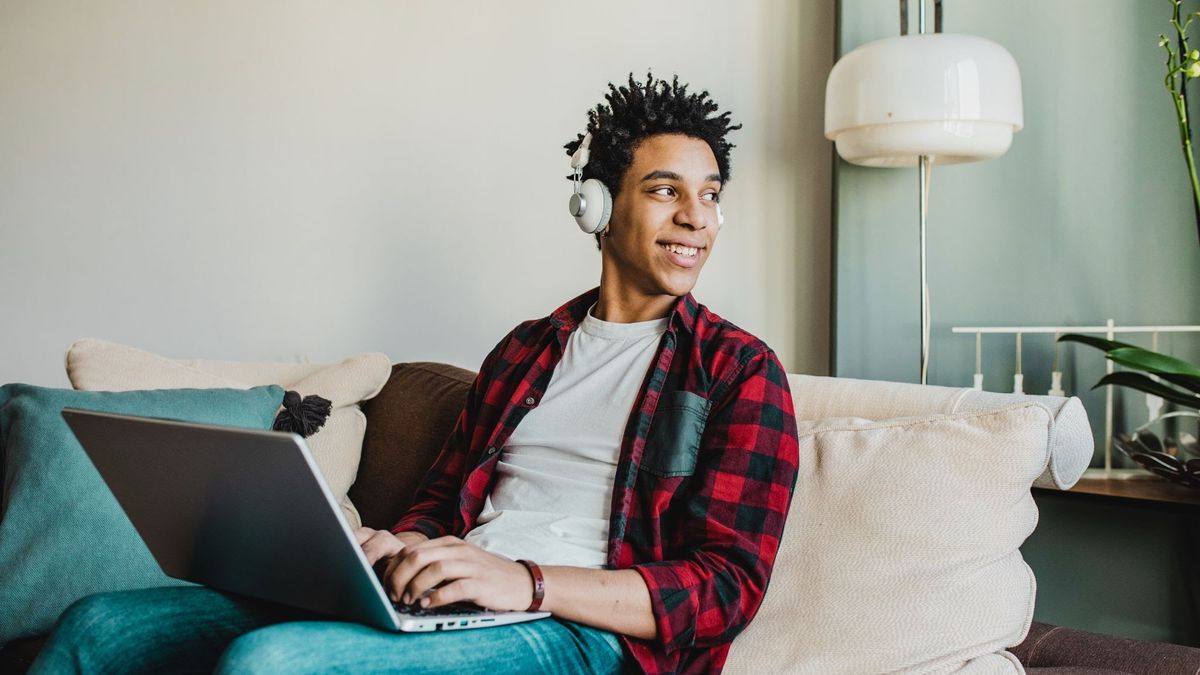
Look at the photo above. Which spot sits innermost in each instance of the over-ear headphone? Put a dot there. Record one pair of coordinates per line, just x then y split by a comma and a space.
591, 203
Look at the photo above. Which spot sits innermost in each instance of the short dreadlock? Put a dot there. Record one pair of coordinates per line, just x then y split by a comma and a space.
641, 110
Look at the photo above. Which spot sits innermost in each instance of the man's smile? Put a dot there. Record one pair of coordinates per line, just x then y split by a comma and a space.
684, 256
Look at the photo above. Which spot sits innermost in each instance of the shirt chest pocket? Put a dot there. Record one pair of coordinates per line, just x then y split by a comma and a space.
674, 440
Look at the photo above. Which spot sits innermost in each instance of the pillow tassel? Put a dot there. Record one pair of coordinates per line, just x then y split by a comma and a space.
304, 416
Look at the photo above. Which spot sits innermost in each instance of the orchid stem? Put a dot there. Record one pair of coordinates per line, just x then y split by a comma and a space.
1178, 67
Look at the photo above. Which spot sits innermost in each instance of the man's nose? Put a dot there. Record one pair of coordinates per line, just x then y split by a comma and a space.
693, 215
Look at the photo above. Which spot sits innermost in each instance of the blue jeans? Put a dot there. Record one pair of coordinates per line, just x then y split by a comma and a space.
184, 630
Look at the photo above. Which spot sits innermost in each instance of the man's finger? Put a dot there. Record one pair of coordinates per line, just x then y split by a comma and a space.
388, 574
433, 575
412, 562
372, 550
380, 545
458, 590
361, 534
440, 542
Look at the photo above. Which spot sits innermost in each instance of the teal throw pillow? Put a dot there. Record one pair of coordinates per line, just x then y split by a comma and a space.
63, 535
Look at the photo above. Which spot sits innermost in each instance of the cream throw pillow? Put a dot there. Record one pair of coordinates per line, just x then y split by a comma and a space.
97, 365
900, 552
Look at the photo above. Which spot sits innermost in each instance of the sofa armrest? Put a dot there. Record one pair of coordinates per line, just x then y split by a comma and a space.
1071, 444
1054, 647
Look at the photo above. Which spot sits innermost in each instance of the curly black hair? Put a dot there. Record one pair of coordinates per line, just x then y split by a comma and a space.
641, 110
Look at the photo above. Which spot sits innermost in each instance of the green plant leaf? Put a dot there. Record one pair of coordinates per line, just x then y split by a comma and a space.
1092, 341
1145, 384
1185, 381
1144, 359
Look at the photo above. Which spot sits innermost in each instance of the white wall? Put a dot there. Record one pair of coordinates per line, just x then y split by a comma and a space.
283, 180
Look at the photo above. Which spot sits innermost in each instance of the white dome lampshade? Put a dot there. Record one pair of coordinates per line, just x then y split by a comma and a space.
954, 98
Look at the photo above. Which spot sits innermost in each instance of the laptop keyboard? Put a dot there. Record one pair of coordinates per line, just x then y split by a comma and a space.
453, 608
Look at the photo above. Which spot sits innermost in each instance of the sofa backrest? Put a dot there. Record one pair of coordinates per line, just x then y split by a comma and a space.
1071, 445
409, 420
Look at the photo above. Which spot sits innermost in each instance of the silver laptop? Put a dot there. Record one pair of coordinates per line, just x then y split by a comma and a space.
248, 512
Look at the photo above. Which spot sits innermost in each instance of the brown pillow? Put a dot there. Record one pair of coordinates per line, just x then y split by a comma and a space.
407, 423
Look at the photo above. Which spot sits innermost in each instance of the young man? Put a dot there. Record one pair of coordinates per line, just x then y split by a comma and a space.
633, 449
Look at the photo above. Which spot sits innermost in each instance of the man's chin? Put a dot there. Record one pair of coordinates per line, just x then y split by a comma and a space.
679, 285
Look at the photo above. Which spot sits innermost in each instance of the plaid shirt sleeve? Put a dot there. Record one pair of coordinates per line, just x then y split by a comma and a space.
433, 508
732, 520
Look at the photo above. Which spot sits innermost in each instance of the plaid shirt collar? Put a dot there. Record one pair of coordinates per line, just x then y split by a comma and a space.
683, 316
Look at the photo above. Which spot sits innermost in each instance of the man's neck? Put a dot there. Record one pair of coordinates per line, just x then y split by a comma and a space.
621, 305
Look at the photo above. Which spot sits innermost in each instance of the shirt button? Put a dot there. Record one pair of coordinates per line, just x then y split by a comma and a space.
491, 451
530, 400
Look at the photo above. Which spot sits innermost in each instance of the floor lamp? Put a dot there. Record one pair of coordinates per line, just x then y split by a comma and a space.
920, 100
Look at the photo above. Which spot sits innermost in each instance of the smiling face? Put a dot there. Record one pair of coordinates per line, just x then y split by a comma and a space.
664, 220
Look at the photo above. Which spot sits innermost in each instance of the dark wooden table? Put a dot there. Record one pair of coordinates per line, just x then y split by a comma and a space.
1152, 491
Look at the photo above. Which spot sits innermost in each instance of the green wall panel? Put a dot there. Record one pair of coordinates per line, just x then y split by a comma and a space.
1088, 216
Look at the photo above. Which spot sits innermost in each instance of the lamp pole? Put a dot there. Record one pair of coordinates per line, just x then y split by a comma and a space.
922, 199
924, 163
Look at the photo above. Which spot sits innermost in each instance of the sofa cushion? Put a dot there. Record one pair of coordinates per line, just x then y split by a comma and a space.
96, 365
407, 424
62, 534
901, 547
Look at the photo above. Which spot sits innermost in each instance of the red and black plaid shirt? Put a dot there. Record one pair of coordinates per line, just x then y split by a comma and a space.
708, 462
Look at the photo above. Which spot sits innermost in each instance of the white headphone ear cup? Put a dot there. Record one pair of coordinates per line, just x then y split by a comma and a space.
720, 217
598, 206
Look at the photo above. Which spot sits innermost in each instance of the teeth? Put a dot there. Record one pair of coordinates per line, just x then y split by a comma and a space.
688, 251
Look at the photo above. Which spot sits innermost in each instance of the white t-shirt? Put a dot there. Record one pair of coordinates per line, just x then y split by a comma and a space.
552, 495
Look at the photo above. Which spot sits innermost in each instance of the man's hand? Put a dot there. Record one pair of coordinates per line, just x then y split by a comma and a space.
380, 544
441, 571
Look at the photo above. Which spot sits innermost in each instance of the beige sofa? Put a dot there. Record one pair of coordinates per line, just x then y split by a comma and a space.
900, 552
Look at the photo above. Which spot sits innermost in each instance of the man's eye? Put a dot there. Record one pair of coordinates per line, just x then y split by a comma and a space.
712, 196
664, 191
